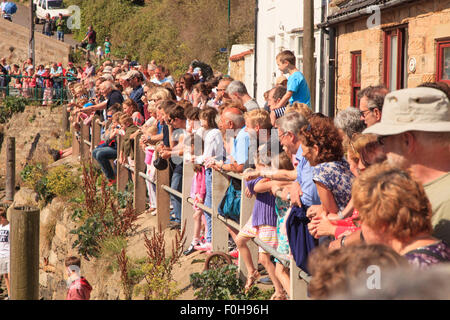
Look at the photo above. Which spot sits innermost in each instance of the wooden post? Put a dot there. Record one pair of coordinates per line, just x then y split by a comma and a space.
84, 148
65, 119
75, 144
246, 212
122, 172
162, 198
140, 188
24, 253
96, 133
298, 287
10, 169
187, 211
309, 67
219, 231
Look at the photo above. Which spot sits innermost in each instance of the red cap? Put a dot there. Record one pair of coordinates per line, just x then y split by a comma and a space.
60, 64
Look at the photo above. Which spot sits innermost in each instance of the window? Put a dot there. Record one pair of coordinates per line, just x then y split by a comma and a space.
395, 55
356, 77
296, 46
443, 61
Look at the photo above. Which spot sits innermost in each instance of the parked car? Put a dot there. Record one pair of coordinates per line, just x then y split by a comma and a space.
52, 7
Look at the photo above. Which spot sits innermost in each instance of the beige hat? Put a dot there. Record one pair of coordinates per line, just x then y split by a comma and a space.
131, 74
107, 69
107, 76
416, 109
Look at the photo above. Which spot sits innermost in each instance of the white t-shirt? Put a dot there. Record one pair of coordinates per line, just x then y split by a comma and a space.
4, 241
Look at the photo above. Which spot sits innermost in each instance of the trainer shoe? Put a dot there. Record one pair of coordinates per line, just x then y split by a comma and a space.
234, 253
204, 247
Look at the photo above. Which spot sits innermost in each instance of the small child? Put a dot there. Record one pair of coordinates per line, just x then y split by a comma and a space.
151, 170
99, 54
48, 86
107, 45
297, 88
198, 191
4, 248
78, 287
262, 224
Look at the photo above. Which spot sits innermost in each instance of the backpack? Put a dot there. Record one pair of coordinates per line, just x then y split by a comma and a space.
230, 206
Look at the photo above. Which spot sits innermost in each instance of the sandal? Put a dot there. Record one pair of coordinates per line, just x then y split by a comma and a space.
251, 280
278, 296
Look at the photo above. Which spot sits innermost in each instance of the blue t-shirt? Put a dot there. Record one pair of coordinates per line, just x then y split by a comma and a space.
300, 90
305, 179
240, 147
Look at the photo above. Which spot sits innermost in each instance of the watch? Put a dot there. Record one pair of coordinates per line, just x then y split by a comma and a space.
343, 241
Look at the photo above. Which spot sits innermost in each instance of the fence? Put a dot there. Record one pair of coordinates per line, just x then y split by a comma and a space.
90, 137
38, 91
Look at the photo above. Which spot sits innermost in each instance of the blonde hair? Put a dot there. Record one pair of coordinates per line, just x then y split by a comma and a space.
301, 108
258, 117
161, 93
388, 197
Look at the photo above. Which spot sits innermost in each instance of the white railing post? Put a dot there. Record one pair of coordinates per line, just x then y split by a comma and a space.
187, 210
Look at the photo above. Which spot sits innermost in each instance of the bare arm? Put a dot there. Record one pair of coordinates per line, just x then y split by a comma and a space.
284, 100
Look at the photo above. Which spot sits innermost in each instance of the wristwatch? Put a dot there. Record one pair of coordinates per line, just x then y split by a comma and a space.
343, 240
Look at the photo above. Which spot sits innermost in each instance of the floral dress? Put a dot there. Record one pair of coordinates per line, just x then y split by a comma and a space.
281, 208
427, 256
336, 177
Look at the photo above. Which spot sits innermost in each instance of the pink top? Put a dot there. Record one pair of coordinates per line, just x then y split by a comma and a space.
80, 289
347, 224
199, 185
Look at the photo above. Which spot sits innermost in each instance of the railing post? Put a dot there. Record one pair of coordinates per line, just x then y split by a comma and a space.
298, 286
246, 212
162, 198
140, 188
10, 169
187, 211
85, 149
122, 172
96, 132
219, 231
24, 253
76, 144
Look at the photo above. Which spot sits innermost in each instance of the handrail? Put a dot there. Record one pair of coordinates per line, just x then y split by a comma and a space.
299, 278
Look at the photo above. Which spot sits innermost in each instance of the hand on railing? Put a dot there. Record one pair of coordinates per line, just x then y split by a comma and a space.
251, 174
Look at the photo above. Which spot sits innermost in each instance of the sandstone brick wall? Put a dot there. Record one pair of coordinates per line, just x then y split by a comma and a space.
427, 21
16, 37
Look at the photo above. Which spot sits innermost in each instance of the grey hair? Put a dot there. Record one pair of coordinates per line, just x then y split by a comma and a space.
349, 121
292, 122
237, 119
238, 87
108, 85
375, 96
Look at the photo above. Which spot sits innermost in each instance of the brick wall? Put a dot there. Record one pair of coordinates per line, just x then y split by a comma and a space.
16, 37
427, 21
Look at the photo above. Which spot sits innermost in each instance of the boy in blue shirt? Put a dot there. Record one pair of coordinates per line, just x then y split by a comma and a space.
297, 88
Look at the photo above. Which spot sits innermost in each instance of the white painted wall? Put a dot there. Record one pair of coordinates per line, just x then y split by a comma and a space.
279, 26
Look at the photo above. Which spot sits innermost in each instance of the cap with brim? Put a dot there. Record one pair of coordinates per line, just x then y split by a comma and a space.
131, 74
415, 109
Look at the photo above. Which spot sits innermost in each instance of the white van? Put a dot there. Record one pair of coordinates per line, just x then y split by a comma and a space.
52, 7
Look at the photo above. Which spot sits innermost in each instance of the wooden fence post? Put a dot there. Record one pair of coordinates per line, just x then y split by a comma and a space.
219, 231
298, 286
84, 148
187, 211
140, 188
24, 253
75, 144
10, 169
246, 213
122, 172
96, 133
162, 198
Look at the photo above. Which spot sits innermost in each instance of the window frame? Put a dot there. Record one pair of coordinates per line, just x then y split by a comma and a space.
401, 33
441, 44
355, 86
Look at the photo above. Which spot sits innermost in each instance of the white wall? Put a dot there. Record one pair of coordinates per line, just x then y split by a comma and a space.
279, 24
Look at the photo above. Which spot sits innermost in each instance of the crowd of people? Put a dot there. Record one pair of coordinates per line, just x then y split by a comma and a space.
367, 187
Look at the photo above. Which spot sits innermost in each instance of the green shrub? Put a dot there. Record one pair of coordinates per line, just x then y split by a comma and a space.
11, 105
61, 181
224, 284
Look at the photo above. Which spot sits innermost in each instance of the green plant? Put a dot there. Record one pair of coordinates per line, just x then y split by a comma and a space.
61, 181
103, 213
224, 284
158, 269
11, 105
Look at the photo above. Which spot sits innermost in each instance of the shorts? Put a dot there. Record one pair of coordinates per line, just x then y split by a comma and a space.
4, 265
267, 234
91, 46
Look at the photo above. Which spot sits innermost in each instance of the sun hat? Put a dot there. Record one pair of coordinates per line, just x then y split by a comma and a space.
107, 69
415, 109
131, 74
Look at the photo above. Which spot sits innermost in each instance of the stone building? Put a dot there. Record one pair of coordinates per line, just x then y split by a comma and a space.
398, 43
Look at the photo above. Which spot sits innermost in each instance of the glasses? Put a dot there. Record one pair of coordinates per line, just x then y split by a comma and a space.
364, 113
283, 134
218, 89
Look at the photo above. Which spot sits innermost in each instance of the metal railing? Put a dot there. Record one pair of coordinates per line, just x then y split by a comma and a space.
90, 137
38, 92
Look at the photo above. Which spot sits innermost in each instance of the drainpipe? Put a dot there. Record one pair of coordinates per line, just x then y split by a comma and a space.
331, 70
255, 53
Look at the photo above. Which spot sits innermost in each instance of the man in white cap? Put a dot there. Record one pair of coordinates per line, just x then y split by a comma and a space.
135, 79
415, 133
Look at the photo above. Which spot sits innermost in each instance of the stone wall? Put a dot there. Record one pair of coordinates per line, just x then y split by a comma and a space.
427, 21
14, 41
